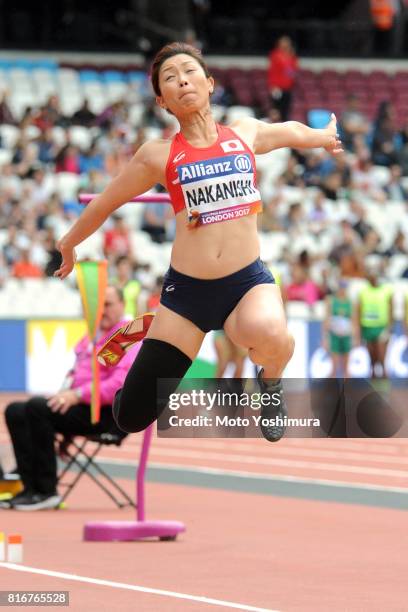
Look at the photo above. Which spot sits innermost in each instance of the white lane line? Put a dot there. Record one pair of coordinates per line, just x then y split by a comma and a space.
299, 452
262, 476
134, 587
275, 461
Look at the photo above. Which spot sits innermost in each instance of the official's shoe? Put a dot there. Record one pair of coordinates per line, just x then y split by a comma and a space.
8, 504
37, 501
123, 339
272, 432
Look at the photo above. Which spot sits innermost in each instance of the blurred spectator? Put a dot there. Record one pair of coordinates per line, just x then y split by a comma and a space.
6, 116
398, 247
24, 267
314, 170
18, 151
295, 221
90, 160
83, 116
94, 182
269, 220
228, 353
292, 174
47, 149
117, 240
365, 181
11, 248
112, 115
347, 252
302, 288
283, 65
318, 217
331, 185
394, 188
55, 218
375, 318
54, 256
67, 159
222, 95
3, 275
40, 191
338, 329
358, 219
128, 284
153, 300
352, 122
10, 183
50, 115
372, 243
152, 114
386, 143
342, 167
154, 221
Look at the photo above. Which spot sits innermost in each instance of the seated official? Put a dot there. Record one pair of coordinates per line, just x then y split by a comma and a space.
32, 423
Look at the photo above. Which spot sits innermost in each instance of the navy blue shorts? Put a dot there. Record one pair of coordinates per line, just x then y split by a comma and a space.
208, 303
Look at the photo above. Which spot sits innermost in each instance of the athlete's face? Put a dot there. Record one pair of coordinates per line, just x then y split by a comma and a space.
183, 85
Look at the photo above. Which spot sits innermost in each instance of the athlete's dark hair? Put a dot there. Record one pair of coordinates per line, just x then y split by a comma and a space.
170, 50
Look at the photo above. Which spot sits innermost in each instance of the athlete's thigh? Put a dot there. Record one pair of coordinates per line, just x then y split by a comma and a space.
171, 327
259, 311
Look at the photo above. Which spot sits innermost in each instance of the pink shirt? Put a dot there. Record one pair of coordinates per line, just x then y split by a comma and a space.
111, 379
306, 292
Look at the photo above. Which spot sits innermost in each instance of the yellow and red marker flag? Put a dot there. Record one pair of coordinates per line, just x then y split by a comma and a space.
92, 277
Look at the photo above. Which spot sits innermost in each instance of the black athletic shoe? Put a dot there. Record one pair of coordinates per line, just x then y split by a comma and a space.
272, 432
7, 504
37, 501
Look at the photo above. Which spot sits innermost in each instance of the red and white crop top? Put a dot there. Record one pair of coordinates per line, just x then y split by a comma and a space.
216, 183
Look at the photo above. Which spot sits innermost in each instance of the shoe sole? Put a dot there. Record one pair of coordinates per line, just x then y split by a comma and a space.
113, 350
48, 504
282, 413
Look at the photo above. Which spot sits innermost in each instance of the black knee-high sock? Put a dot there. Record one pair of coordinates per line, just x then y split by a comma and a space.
136, 405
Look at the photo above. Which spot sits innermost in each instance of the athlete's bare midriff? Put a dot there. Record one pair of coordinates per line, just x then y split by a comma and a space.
210, 251
215, 250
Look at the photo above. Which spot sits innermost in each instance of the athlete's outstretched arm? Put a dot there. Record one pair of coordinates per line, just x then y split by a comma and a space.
269, 136
139, 175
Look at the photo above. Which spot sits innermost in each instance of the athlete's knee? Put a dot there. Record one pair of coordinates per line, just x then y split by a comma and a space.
275, 340
141, 400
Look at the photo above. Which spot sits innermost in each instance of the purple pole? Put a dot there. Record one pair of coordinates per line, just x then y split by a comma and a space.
140, 477
158, 198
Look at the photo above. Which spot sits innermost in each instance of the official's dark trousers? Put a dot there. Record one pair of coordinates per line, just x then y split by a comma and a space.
32, 426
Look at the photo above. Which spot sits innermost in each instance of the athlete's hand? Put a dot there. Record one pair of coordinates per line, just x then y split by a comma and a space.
334, 145
68, 259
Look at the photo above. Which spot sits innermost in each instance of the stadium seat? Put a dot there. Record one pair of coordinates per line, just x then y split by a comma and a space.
397, 265
114, 76
77, 455
89, 76
80, 136
115, 91
97, 103
5, 157
318, 118
237, 112
298, 310
67, 184
135, 114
